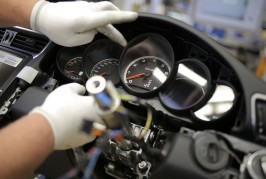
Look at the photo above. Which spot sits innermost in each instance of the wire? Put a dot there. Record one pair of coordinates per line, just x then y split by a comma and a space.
125, 97
153, 153
93, 155
70, 174
115, 133
96, 153
91, 164
148, 123
226, 149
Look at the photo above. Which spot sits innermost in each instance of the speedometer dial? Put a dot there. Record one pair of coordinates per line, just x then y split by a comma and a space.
108, 69
101, 58
146, 73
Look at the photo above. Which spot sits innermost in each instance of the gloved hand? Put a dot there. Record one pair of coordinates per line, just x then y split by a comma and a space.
76, 23
65, 109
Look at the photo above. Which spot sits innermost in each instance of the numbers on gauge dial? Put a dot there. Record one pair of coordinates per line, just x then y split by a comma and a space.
107, 68
146, 73
73, 68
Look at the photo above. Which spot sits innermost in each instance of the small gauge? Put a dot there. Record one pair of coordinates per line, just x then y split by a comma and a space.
146, 73
108, 69
73, 69
69, 63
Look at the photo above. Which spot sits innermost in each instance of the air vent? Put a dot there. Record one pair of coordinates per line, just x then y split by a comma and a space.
2, 32
261, 116
8, 37
29, 43
258, 115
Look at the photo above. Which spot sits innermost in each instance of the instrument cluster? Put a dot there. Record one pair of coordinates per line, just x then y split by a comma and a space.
149, 68
142, 67
146, 64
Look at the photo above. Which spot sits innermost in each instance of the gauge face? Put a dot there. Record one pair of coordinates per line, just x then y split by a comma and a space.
101, 58
146, 64
69, 63
108, 69
73, 68
146, 73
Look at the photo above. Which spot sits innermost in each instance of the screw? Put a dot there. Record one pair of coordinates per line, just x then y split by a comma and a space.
142, 165
152, 136
111, 166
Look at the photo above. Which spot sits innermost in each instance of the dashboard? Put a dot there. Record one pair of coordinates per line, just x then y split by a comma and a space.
191, 82
177, 77
151, 67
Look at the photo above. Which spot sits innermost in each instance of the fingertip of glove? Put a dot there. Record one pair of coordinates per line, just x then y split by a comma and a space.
123, 42
131, 15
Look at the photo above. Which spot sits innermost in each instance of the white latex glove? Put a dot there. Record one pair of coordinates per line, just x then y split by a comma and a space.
65, 109
76, 23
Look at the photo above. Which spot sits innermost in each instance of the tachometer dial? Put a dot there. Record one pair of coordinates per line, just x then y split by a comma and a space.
146, 64
146, 73
73, 68
108, 69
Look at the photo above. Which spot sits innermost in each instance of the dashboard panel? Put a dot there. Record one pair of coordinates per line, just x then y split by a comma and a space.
190, 82
175, 75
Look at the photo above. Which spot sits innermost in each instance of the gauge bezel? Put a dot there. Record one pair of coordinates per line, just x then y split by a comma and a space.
225, 114
102, 49
160, 45
64, 55
201, 101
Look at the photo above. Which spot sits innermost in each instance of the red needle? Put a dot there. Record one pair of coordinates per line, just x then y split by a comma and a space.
135, 76
70, 71
102, 74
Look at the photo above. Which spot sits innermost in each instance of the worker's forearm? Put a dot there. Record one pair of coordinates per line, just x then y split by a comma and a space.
24, 146
16, 12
